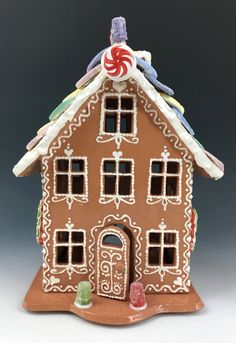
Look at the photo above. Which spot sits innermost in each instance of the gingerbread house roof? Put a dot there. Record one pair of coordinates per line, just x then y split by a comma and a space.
147, 78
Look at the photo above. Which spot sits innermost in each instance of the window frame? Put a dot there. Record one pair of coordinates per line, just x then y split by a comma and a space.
70, 244
162, 245
118, 136
163, 197
70, 173
117, 173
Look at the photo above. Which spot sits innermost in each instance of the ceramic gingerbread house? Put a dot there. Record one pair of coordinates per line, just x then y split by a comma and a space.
117, 160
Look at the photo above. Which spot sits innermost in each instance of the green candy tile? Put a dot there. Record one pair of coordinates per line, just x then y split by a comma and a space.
61, 108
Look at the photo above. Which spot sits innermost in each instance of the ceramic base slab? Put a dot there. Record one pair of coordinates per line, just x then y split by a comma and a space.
109, 311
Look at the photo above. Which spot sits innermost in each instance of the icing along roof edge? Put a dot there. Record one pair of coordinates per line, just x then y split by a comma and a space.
41, 149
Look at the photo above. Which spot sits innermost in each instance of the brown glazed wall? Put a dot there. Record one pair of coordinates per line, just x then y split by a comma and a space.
86, 216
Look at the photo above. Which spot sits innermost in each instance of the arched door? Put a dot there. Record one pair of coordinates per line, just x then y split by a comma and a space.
113, 251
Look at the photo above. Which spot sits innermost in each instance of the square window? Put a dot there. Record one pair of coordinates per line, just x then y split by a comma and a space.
155, 237
169, 238
77, 237
172, 167
62, 236
62, 165
77, 165
111, 122
78, 184
62, 255
77, 254
62, 184
111, 103
124, 185
110, 184
171, 185
127, 103
169, 256
125, 167
154, 256
109, 167
126, 123
156, 185
157, 167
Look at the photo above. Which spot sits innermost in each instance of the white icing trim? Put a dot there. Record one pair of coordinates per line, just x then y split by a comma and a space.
42, 148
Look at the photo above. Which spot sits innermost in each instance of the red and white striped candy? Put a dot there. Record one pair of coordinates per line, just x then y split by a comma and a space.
118, 62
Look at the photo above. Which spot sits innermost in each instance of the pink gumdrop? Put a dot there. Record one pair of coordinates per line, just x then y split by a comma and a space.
137, 295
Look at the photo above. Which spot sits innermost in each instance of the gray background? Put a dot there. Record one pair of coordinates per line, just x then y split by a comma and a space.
45, 47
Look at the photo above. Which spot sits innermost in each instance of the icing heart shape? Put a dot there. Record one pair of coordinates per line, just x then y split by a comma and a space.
54, 280
178, 281
119, 86
68, 152
117, 154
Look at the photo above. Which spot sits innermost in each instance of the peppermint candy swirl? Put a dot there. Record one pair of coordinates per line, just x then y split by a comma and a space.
118, 61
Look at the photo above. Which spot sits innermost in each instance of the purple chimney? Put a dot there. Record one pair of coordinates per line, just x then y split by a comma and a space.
118, 30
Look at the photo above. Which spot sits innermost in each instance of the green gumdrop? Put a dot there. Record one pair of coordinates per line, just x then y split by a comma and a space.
83, 296
61, 108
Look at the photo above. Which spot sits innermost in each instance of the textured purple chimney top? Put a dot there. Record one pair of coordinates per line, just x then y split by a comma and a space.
118, 30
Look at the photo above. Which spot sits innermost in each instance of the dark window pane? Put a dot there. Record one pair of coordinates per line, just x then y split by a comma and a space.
156, 185
126, 123
157, 167
171, 185
172, 167
62, 165
125, 167
111, 240
109, 167
77, 237
127, 103
155, 237
111, 103
78, 184
62, 184
110, 184
62, 236
77, 254
169, 238
154, 255
62, 255
124, 185
169, 256
77, 165
111, 122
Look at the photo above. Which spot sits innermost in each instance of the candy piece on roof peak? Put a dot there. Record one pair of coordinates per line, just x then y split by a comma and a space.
88, 76
118, 62
173, 102
61, 108
183, 121
118, 30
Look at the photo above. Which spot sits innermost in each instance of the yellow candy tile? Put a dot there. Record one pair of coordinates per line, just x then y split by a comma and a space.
173, 102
